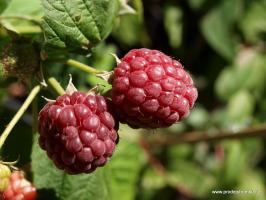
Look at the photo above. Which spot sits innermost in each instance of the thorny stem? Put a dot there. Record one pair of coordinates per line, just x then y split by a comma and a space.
160, 169
205, 136
18, 115
56, 86
83, 67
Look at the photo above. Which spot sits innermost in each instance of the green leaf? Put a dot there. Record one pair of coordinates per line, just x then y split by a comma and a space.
103, 184
186, 173
253, 24
226, 83
241, 106
47, 177
78, 24
3, 5
151, 180
251, 73
248, 73
217, 28
130, 28
103, 60
199, 118
196, 4
234, 163
123, 171
173, 25
191, 177
251, 181
180, 151
102, 57
21, 16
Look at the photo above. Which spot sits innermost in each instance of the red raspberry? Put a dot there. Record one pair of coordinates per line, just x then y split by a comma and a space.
4, 176
19, 188
77, 132
151, 90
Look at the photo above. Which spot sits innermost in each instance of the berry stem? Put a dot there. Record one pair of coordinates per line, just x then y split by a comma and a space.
83, 67
56, 86
34, 115
18, 115
205, 136
34, 107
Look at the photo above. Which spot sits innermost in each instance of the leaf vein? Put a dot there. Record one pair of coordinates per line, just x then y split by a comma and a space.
93, 19
62, 2
54, 31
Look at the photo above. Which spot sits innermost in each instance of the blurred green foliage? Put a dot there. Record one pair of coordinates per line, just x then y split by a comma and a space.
221, 43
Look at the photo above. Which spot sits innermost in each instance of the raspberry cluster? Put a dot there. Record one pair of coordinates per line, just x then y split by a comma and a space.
151, 90
4, 176
19, 188
78, 132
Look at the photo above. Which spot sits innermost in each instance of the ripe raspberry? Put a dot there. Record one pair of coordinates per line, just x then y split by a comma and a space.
151, 90
19, 188
4, 176
78, 132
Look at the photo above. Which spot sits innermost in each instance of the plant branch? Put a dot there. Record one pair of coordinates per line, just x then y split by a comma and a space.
83, 67
205, 136
18, 115
56, 86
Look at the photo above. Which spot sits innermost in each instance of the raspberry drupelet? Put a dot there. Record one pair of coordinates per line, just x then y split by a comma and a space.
19, 188
151, 90
78, 132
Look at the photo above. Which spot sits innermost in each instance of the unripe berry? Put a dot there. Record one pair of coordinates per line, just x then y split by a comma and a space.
4, 176
19, 188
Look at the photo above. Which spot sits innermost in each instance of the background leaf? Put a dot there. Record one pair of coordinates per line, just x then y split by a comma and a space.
130, 29
123, 171
217, 28
240, 106
3, 5
18, 14
173, 25
253, 23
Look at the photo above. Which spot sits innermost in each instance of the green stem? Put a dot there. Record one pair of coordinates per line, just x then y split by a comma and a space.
56, 86
18, 115
83, 67
34, 110
34, 115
